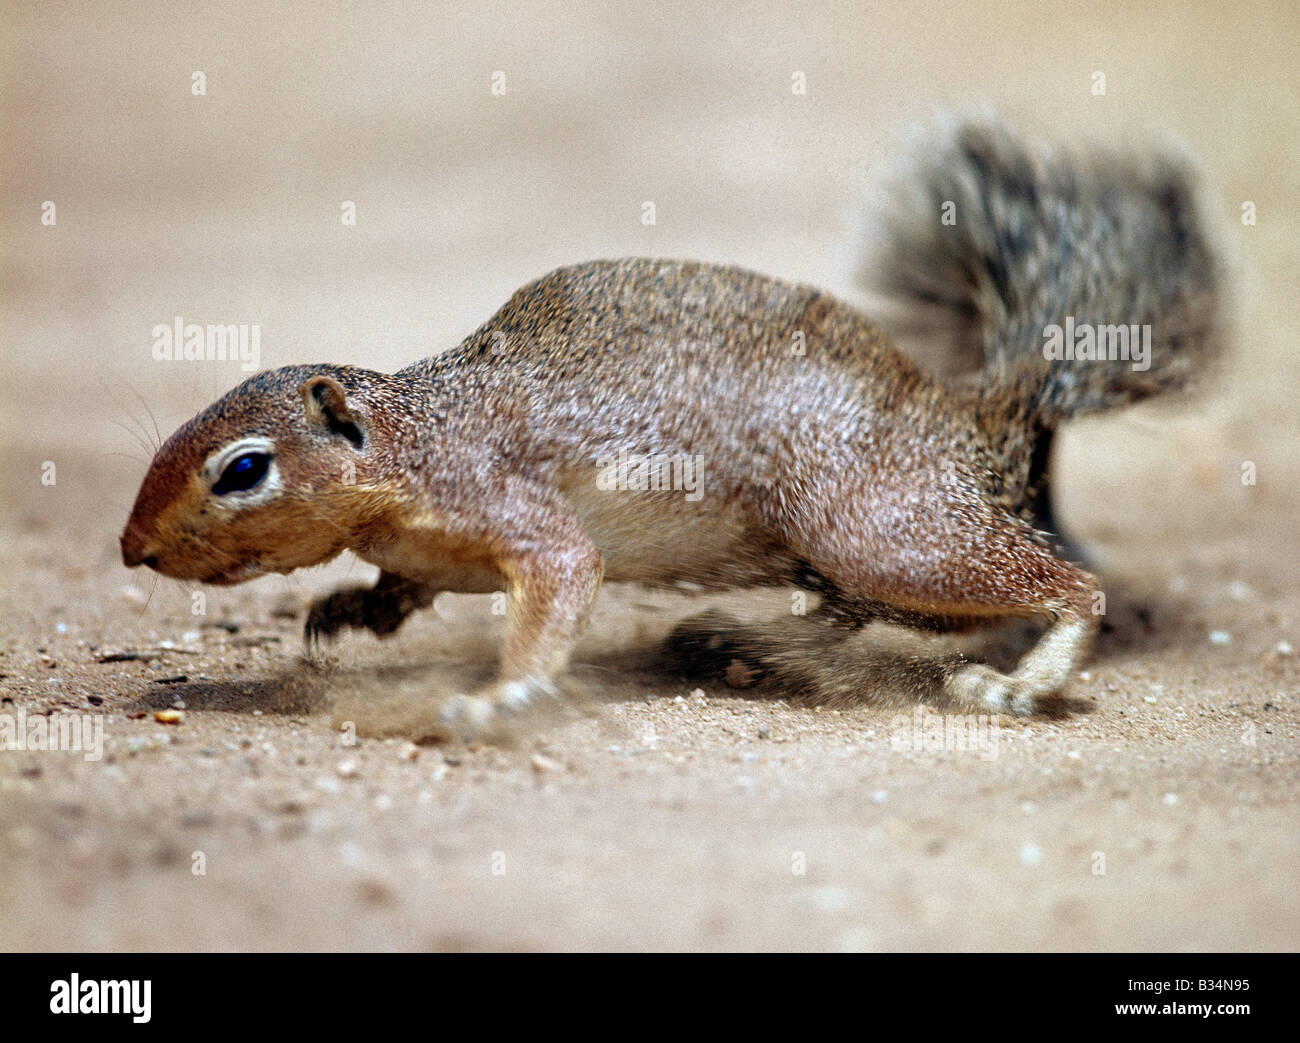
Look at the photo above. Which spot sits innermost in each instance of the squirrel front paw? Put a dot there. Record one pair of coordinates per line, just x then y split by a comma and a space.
487, 714
381, 609
332, 613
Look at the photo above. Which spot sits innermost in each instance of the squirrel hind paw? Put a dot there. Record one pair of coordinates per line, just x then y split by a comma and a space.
981, 686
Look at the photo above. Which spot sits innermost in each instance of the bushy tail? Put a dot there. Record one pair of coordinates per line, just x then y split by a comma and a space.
1002, 245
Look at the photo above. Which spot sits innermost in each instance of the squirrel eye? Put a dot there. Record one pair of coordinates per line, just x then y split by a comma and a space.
242, 474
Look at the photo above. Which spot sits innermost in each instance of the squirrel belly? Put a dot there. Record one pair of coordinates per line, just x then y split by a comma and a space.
680, 423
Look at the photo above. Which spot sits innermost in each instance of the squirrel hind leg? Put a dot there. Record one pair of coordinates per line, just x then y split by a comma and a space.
959, 567
1064, 595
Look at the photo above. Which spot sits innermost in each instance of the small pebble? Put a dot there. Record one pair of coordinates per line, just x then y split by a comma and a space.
348, 769
1030, 855
410, 752
169, 716
1220, 637
543, 764
1171, 799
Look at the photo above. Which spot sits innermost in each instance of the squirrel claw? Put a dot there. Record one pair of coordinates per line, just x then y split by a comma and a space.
327, 615
323, 622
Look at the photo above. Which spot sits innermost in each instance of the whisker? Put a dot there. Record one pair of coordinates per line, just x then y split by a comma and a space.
129, 456
143, 434
149, 600
152, 419
141, 439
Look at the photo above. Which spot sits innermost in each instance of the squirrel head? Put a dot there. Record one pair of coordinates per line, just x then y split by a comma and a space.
276, 475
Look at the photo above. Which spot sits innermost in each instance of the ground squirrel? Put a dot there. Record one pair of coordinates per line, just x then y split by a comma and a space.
666, 422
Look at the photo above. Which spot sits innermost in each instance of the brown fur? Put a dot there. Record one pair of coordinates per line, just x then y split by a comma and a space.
842, 468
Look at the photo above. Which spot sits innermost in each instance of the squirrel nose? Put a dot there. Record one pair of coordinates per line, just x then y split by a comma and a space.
135, 555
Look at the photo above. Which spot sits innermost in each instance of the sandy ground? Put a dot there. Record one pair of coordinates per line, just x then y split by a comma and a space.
1160, 814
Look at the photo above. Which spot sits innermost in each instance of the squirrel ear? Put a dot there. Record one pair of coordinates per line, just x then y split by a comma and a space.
326, 404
